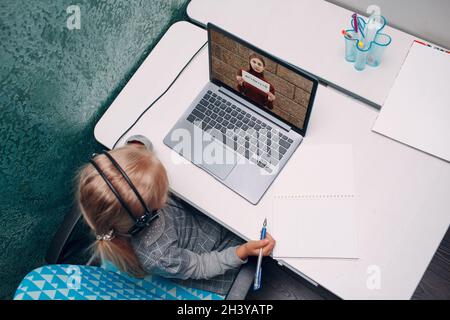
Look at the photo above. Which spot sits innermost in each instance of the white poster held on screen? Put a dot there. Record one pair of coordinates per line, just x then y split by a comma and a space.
255, 81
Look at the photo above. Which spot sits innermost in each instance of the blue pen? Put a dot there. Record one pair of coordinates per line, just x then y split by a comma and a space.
257, 283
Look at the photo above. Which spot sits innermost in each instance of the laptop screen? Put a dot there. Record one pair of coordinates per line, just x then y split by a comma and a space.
272, 85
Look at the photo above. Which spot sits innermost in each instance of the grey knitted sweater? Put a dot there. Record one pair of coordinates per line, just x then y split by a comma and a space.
191, 248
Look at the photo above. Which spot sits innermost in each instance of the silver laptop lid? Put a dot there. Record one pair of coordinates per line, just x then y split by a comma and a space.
274, 86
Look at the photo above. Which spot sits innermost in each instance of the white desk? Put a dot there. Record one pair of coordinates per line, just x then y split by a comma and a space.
307, 34
403, 202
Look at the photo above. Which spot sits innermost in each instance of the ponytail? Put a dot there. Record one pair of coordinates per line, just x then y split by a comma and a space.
120, 253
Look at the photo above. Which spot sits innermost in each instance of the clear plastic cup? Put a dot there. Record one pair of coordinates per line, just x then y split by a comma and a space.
361, 57
350, 46
377, 49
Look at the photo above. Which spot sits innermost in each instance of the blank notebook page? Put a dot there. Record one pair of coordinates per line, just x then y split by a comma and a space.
313, 204
417, 110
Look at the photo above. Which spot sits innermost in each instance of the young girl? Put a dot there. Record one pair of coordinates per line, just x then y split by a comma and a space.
178, 242
256, 67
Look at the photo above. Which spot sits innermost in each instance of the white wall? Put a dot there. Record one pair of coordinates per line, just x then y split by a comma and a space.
427, 19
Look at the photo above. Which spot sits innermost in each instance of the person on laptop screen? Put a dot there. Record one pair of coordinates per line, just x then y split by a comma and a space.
254, 85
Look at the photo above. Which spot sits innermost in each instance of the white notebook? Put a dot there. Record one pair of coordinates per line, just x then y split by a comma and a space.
313, 212
417, 110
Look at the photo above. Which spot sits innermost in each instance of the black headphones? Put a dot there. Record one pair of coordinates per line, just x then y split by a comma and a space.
148, 216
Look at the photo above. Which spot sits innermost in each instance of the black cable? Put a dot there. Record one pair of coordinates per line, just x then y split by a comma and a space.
162, 94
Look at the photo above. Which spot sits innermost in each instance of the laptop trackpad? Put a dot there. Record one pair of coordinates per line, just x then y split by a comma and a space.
217, 159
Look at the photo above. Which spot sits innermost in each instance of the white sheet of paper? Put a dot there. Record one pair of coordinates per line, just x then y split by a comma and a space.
314, 228
417, 110
313, 210
320, 170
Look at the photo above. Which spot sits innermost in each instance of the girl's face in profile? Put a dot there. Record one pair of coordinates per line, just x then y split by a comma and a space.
257, 65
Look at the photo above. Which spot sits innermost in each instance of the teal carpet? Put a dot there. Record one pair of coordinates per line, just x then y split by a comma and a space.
55, 83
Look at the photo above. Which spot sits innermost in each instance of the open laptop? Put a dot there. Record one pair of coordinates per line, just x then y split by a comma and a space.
248, 120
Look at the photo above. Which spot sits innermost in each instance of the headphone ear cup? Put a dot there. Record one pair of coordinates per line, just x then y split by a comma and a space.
141, 139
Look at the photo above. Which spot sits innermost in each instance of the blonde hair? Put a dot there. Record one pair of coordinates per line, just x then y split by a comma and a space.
103, 212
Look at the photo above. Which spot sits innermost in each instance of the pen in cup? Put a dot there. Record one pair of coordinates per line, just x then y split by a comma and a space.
355, 22
347, 34
257, 283
356, 26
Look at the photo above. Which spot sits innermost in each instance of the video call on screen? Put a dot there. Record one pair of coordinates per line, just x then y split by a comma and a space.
260, 79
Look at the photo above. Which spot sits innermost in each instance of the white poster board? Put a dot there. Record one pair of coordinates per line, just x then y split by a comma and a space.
255, 81
417, 110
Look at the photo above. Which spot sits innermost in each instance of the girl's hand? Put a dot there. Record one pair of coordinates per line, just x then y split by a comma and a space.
251, 248
270, 96
240, 80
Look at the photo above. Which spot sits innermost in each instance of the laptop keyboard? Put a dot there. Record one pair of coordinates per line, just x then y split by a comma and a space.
254, 139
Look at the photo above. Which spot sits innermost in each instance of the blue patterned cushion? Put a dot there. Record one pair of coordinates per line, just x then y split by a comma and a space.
165, 288
70, 282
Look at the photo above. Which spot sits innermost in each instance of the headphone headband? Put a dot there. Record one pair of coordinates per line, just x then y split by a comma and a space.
148, 216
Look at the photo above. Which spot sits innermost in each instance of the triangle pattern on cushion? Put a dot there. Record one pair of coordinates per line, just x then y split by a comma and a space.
52, 283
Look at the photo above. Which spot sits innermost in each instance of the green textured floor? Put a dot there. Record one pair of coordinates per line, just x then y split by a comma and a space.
55, 84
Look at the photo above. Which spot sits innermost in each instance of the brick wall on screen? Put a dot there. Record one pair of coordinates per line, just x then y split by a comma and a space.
292, 91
